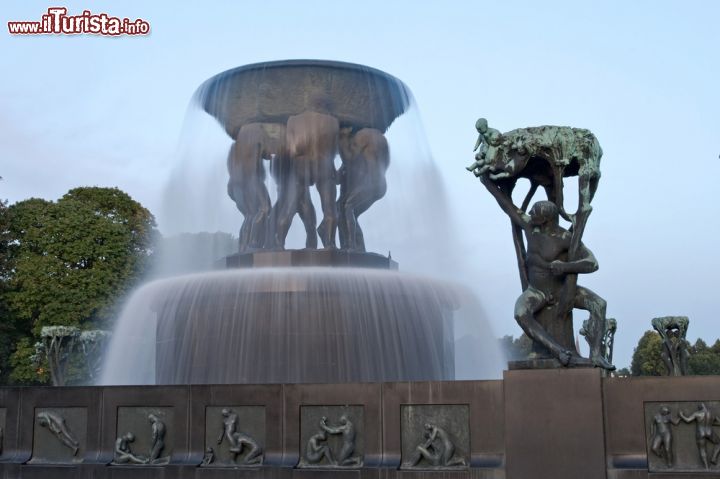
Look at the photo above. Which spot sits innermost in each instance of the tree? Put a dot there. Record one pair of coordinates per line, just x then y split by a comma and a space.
4, 239
703, 359
73, 259
646, 359
24, 366
8, 332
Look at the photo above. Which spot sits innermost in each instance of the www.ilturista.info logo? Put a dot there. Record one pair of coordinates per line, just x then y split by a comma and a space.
58, 22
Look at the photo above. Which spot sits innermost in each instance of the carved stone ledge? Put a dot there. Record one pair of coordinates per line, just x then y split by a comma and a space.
309, 257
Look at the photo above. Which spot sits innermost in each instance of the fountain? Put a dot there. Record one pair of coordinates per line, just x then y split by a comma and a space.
277, 315
333, 362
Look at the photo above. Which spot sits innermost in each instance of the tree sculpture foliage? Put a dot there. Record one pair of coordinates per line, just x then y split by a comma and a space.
90, 345
71, 261
60, 345
56, 344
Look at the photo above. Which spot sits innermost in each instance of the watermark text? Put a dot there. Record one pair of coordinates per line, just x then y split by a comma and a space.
57, 22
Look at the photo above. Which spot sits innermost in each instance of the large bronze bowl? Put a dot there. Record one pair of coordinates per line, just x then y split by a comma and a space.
356, 95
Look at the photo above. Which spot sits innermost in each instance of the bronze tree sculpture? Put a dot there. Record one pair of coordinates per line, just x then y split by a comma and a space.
554, 256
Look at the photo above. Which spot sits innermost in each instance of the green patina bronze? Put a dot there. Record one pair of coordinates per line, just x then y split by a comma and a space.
549, 256
673, 332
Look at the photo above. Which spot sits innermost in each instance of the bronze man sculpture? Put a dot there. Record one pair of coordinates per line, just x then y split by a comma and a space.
437, 449
312, 144
246, 185
704, 421
548, 268
661, 434
158, 440
365, 158
544, 155
347, 429
56, 424
123, 452
237, 440
554, 255
311, 100
317, 449
282, 172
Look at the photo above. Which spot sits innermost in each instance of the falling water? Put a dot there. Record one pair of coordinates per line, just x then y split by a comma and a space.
297, 325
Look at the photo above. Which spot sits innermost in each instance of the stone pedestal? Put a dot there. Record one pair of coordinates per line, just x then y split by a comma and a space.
309, 257
554, 424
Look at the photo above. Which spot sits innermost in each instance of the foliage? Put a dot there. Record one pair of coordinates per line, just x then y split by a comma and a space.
73, 257
8, 332
25, 369
704, 360
4, 238
647, 361
72, 260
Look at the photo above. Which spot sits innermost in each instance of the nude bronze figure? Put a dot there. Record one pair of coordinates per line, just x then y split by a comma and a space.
437, 449
281, 170
317, 449
661, 433
704, 433
347, 430
547, 270
312, 144
246, 185
56, 424
553, 257
365, 158
157, 440
544, 155
237, 440
123, 452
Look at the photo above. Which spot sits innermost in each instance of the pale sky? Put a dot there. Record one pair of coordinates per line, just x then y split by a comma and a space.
642, 75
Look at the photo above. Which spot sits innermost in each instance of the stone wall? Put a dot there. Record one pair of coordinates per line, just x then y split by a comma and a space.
532, 424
